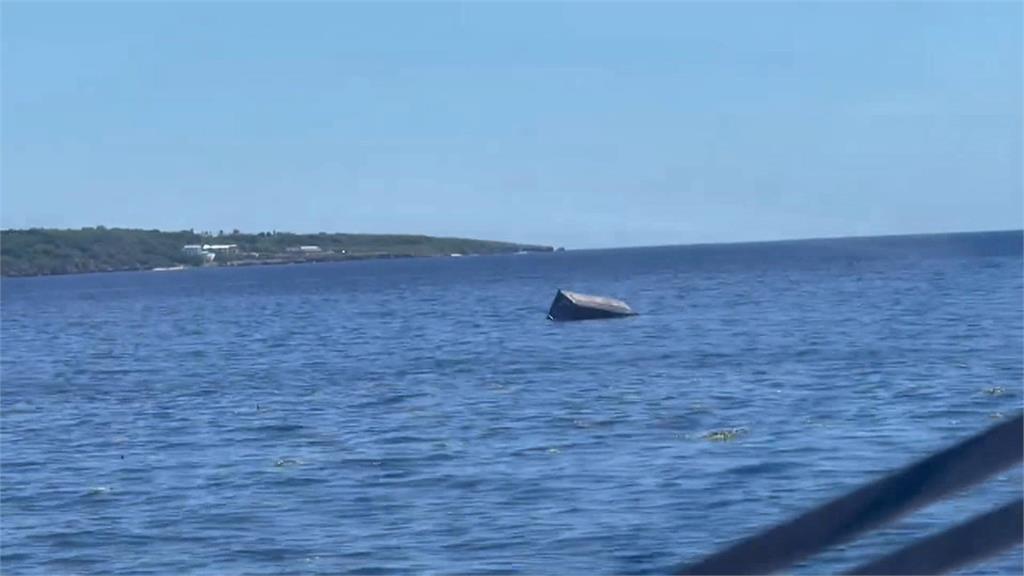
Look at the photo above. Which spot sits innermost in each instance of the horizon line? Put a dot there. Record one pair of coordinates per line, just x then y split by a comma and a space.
813, 239
620, 247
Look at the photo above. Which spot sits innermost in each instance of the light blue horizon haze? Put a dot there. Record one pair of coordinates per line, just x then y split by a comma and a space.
577, 124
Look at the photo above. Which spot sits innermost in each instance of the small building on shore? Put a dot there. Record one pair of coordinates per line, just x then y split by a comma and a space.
221, 248
197, 251
311, 249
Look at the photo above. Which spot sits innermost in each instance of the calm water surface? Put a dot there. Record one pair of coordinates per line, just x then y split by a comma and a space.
422, 416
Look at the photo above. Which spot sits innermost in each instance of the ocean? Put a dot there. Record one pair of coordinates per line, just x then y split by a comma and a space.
422, 416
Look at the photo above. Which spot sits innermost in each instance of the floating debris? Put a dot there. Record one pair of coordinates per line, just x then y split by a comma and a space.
726, 435
574, 306
287, 462
995, 391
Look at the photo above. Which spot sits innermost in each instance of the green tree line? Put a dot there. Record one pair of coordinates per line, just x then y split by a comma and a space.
40, 251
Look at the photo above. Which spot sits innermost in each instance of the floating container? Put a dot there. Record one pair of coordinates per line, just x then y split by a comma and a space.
574, 306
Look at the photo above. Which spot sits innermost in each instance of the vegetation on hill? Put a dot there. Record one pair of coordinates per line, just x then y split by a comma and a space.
47, 251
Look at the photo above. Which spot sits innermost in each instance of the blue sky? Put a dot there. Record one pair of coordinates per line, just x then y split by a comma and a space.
573, 124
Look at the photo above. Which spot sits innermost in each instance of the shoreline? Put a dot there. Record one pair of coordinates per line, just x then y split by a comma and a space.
275, 262
59, 252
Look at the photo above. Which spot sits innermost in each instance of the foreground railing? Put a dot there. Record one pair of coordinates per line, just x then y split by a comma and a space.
883, 501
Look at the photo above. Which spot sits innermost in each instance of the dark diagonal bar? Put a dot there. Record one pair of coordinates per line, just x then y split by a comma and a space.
981, 537
873, 505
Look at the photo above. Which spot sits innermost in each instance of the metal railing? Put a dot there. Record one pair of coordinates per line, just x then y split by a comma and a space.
881, 502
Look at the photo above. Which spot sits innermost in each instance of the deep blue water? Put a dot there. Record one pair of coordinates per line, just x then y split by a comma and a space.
423, 416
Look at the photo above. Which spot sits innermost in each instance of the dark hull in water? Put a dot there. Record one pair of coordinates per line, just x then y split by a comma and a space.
573, 306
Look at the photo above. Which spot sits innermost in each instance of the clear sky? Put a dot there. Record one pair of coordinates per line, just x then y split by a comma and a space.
576, 124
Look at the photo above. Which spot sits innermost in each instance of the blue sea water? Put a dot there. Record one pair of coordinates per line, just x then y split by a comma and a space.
422, 416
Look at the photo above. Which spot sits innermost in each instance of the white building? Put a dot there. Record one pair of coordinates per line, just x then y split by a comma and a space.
305, 249
222, 248
198, 251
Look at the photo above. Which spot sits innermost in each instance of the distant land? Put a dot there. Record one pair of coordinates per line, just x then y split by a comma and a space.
43, 251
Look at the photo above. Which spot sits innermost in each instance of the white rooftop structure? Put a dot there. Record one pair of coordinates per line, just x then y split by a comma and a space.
220, 247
